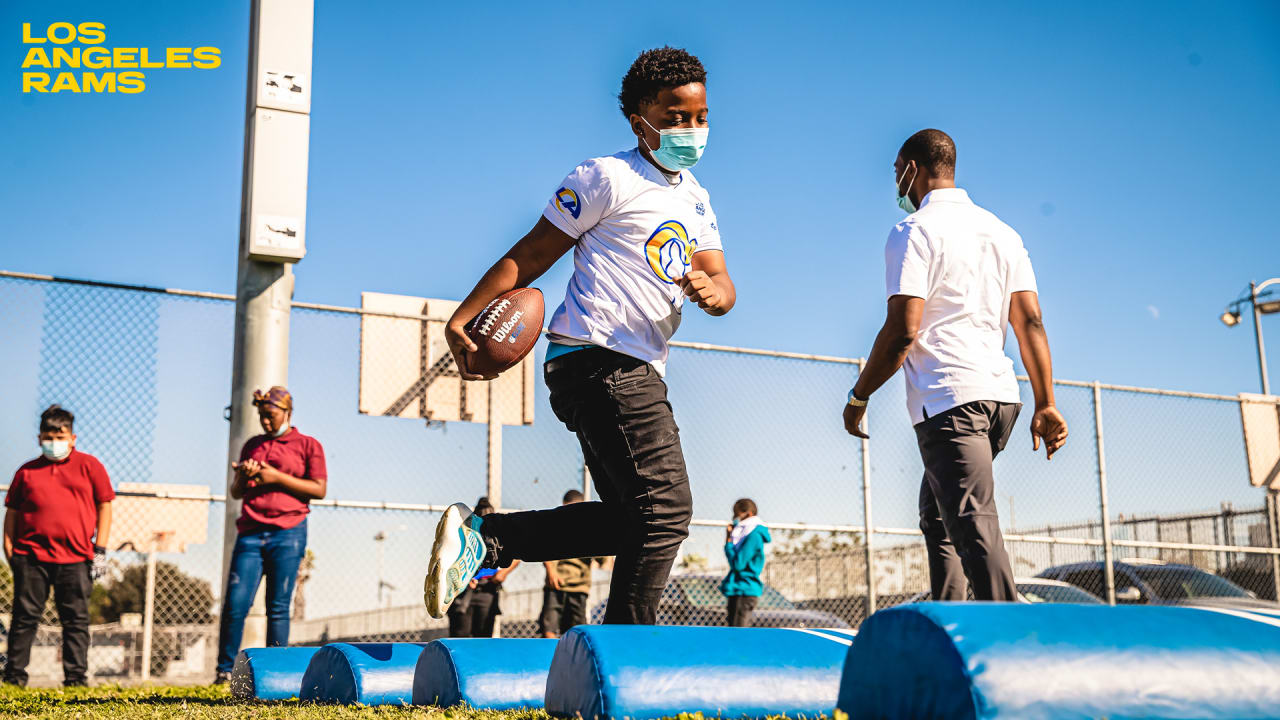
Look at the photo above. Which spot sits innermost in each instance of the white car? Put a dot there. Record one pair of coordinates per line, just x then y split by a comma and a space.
1038, 590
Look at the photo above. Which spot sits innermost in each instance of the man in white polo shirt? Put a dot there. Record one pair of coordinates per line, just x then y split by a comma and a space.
956, 277
644, 240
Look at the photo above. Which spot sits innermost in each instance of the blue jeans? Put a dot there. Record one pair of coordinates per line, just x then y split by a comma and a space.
277, 553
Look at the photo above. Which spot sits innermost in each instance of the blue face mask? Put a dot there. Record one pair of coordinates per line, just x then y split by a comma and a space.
904, 200
680, 149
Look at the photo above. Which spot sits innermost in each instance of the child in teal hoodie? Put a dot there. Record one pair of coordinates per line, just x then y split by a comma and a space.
744, 548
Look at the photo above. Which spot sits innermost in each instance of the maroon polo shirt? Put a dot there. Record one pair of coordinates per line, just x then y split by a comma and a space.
57, 507
267, 507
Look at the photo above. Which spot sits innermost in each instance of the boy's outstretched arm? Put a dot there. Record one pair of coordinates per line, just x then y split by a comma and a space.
525, 262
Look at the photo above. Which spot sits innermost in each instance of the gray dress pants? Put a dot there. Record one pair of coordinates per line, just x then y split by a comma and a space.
957, 500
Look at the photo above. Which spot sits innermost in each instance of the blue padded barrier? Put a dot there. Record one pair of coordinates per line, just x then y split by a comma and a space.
644, 672
270, 673
1041, 661
366, 673
485, 673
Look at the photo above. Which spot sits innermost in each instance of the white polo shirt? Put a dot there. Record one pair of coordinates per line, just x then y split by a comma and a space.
637, 234
965, 263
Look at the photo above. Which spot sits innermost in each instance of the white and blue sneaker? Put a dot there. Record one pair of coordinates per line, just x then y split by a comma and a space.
455, 558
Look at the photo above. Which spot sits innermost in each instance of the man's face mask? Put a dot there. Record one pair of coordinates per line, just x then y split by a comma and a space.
680, 149
904, 197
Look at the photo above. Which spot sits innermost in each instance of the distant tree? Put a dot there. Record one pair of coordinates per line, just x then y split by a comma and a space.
180, 598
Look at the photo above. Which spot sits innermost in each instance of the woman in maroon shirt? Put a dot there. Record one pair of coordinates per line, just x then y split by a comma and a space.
279, 473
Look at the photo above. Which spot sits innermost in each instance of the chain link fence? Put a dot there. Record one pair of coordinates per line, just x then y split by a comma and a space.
1156, 481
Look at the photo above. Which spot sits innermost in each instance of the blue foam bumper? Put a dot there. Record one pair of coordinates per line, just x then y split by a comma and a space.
270, 673
646, 672
485, 673
998, 660
366, 673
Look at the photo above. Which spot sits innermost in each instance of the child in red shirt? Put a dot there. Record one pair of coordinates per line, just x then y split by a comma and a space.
56, 525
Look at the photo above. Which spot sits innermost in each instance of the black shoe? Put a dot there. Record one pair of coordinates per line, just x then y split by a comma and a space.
75, 684
222, 678
15, 683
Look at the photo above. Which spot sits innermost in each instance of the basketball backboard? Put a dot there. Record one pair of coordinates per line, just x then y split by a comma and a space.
150, 522
406, 369
1260, 416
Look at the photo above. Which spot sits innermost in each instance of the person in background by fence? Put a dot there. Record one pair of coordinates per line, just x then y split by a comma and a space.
279, 473
568, 585
57, 524
956, 277
475, 612
744, 543
645, 241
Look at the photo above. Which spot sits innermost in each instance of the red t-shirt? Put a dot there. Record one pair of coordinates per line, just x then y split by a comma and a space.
57, 507
268, 506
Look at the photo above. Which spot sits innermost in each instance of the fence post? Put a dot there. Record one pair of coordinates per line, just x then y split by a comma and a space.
1273, 530
148, 614
1108, 551
493, 489
866, 514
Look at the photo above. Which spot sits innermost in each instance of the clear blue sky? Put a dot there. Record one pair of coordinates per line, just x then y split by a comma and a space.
1125, 142
1131, 145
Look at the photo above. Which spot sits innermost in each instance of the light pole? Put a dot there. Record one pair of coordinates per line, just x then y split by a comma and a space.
381, 538
1231, 318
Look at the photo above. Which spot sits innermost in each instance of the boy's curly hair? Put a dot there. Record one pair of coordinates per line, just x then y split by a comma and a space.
655, 70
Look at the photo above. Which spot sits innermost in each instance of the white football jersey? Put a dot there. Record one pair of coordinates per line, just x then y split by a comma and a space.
637, 234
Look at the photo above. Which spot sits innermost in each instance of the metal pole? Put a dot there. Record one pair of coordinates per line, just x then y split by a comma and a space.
586, 482
866, 515
1272, 503
148, 614
1108, 552
273, 187
1257, 335
494, 483
1273, 529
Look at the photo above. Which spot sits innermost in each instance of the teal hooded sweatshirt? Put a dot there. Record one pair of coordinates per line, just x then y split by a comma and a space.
746, 562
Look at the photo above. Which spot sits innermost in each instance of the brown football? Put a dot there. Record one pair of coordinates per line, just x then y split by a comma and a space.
505, 331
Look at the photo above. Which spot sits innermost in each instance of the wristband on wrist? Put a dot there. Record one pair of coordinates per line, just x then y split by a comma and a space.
99, 549
856, 401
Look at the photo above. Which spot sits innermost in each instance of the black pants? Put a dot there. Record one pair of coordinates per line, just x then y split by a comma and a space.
71, 585
957, 500
561, 610
474, 613
618, 407
741, 608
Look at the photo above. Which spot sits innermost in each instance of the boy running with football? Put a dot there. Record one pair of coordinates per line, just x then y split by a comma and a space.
644, 240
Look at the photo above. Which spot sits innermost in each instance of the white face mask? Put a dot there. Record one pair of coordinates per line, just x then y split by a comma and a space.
283, 429
55, 449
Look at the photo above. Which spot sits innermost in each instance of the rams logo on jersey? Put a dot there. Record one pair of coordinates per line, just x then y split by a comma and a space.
670, 251
567, 202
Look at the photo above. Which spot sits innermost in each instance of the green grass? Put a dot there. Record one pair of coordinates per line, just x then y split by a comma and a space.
110, 702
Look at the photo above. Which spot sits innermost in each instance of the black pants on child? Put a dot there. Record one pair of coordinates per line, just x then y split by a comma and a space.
71, 584
741, 608
618, 407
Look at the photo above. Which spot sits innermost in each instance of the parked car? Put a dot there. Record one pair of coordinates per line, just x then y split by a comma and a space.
1038, 590
1154, 582
696, 600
